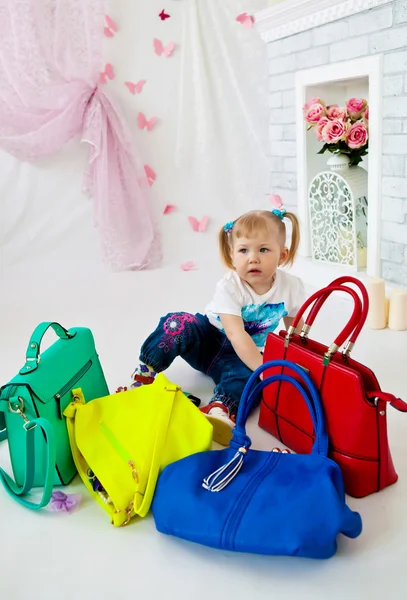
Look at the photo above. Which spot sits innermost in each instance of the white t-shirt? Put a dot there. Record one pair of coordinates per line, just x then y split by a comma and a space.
261, 314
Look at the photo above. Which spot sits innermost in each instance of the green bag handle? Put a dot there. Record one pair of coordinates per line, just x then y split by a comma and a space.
11, 487
32, 359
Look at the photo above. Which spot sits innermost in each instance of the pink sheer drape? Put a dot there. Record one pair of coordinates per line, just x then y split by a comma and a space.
50, 59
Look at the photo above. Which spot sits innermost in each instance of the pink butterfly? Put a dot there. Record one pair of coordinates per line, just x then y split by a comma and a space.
135, 88
169, 209
108, 72
110, 28
150, 174
276, 200
189, 266
246, 20
159, 49
144, 123
163, 15
199, 226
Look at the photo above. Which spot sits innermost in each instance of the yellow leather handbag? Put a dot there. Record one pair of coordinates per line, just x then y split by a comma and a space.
120, 443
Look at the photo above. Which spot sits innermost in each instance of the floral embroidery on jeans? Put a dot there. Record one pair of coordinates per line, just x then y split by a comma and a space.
176, 326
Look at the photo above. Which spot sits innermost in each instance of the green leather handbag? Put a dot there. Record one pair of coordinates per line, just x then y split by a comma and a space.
32, 406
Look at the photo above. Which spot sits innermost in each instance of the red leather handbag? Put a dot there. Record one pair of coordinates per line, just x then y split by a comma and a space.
355, 407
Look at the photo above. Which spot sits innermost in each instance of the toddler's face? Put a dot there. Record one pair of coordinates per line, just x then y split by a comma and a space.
256, 258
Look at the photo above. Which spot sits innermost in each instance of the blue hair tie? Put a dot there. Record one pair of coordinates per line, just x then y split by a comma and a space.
228, 227
279, 212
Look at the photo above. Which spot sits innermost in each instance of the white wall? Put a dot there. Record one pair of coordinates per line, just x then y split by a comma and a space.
44, 218
382, 30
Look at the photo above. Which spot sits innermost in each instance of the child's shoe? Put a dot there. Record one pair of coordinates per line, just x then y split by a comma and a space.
222, 423
143, 375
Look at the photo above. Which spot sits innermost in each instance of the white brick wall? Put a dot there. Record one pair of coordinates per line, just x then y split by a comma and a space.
400, 12
371, 21
393, 85
395, 62
395, 186
393, 209
392, 126
390, 39
395, 144
395, 107
393, 252
380, 30
393, 166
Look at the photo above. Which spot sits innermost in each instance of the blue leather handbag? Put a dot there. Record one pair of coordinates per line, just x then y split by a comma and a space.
269, 503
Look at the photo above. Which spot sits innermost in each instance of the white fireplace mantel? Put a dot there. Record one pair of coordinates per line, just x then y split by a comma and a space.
294, 16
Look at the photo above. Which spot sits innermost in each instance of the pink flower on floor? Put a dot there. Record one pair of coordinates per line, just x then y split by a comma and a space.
334, 131
336, 112
314, 100
355, 107
357, 136
319, 129
314, 113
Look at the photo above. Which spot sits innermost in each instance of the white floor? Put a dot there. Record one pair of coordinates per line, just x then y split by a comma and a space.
81, 556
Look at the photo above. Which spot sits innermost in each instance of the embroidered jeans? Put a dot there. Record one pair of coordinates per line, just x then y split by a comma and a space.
204, 347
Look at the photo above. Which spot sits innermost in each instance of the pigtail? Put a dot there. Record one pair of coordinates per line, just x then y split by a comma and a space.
224, 247
295, 238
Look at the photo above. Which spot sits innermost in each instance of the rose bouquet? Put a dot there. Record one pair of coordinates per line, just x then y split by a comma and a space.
343, 130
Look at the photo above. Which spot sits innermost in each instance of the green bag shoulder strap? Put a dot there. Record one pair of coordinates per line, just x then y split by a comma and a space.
11, 487
33, 351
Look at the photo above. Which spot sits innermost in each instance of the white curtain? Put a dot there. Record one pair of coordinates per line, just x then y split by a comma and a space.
222, 136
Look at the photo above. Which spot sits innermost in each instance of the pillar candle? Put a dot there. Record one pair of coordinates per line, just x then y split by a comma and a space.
398, 310
377, 303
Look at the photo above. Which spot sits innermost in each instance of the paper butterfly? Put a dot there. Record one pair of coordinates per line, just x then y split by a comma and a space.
150, 174
135, 88
199, 226
246, 20
189, 266
169, 209
159, 49
144, 123
163, 15
276, 200
110, 28
108, 72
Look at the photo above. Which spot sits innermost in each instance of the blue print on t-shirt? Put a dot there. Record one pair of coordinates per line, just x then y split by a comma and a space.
260, 319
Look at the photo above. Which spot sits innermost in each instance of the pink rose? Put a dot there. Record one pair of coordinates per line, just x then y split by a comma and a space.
357, 136
319, 128
334, 131
314, 113
355, 107
313, 101
335, 112
366, 115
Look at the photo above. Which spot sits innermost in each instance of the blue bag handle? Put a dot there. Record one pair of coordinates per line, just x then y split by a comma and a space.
222, 477
308, 391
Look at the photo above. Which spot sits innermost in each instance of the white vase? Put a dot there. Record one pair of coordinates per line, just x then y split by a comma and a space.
338, 162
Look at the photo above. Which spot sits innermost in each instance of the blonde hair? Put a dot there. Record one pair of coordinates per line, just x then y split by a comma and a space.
253, 222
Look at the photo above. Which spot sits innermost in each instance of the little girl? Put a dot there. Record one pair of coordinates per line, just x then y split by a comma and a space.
249, 302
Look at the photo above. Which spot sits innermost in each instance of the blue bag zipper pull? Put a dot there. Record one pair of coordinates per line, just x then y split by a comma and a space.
219, 479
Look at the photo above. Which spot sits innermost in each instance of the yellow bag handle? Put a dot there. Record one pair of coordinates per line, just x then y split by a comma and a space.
158, 448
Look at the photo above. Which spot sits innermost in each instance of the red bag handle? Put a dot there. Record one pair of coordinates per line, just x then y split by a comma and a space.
346, 331
320, 302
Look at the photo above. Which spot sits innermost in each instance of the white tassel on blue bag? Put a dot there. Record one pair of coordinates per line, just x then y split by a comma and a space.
228, 471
